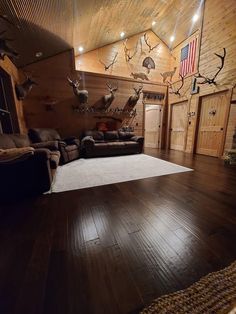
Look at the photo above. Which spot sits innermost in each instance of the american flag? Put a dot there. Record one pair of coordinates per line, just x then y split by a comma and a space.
187, 59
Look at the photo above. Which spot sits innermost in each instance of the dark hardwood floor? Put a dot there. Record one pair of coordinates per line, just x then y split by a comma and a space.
112, 249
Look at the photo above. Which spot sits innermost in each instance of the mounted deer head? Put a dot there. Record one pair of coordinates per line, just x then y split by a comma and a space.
22, 90
106, 67
207, 80
150, 48
135, 97
108, 99
5, 50
130, 53
177, 92
82, 94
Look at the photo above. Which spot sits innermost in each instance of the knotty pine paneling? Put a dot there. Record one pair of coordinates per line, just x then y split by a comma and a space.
161, 56
231, 129
218, 32
16, 77
51, 75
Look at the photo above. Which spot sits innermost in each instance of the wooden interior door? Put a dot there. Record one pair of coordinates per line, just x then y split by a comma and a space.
212, 123
153, 118
178, 126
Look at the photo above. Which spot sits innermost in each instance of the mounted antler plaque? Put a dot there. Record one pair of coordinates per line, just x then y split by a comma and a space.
207, 80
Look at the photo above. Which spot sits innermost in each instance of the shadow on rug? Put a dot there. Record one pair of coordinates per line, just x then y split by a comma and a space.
214, 293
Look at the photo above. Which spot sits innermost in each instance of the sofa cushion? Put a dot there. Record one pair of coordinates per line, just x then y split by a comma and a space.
43, 135
14, 153
131, 143
96, 135
116, 145
14, 141
111, 135
125, 135
70, 148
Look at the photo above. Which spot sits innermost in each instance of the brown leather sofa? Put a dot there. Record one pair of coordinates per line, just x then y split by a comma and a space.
29, 173
110, 143
68, 147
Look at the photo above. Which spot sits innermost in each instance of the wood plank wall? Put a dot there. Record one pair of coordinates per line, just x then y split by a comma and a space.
51, 75
161, 56
219, 31
16, 77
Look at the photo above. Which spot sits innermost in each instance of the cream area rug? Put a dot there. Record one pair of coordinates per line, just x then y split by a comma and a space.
85, 173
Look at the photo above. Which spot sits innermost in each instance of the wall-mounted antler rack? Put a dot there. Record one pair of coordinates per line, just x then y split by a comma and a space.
110, 111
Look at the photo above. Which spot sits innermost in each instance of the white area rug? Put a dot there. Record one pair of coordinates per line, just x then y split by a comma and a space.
84, 173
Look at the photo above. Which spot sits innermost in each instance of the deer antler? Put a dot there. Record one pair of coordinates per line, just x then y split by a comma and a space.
177, 92
106, 67
148, 44
208, 80
128, 55
5, 18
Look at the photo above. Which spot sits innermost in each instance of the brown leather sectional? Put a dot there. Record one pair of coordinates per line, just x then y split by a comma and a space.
110, 143
27, 173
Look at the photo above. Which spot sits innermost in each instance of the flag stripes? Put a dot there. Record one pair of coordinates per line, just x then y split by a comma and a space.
188, 55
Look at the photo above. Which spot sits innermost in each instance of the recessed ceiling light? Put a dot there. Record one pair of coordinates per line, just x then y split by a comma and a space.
38, 54
153, 23
195, 17
122, 34
172, 38
81, 49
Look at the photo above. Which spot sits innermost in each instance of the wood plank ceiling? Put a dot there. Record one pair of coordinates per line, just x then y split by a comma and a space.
53, 26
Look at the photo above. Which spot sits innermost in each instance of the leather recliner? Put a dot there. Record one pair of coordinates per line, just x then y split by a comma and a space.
68, 147
27, 173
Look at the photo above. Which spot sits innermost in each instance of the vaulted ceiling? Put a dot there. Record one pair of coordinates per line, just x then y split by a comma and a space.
53, 26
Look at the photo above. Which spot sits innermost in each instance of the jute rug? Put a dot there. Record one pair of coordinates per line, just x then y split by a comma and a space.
85, 173
215, 293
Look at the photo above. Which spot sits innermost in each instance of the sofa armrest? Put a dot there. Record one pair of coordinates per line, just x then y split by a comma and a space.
87, 141
51, 145
138, 139
42, 153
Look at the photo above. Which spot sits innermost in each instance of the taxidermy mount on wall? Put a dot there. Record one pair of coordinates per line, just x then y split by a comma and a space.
169, 74
148, 63
5, 50
106, 67
130, 53
82, 94
150, 48
108, 99
177, 91
135, 97
139, 75
22, 90
207, 80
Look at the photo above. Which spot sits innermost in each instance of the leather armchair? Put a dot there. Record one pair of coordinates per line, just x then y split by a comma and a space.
27, 174
68, 147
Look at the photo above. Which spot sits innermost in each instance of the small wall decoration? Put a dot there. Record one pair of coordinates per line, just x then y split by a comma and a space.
148, 43
150, 96
132, 101
194, 87
130, 53
167, 74
108, 99
149, 63
106, 67
82, 94
22, 90
207, 80
139, 75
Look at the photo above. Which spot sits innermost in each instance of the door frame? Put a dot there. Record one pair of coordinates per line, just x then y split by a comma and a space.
169, 124
162, 119
229, 94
